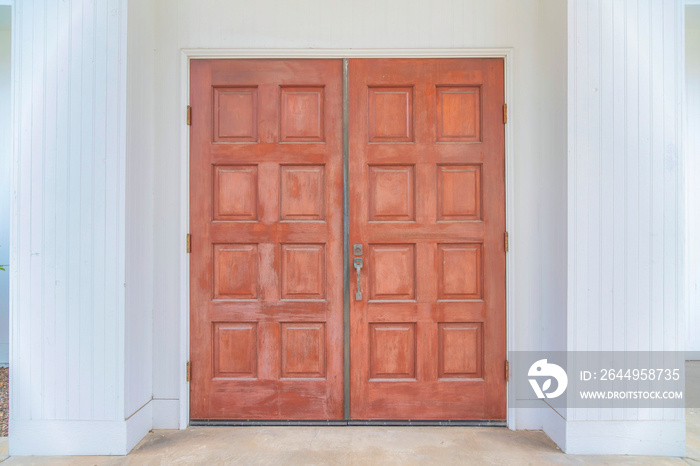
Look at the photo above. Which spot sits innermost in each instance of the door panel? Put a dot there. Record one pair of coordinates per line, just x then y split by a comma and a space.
427, 202
266, 223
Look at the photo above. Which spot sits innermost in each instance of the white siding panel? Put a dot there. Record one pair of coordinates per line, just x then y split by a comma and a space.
20, 372
67, 258
99, 206
50, 221
85, 211
626, 245
5, 157
73, 219
692, 70
630, 189
36, 213
60, 355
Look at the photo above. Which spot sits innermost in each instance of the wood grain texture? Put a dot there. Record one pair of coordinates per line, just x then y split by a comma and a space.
266, 223
428, 337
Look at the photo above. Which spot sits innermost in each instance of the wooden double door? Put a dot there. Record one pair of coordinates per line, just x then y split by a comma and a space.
425, 222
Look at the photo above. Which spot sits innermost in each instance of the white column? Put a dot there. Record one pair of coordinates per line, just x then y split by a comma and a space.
626, 209
68, 232
692, 150
5, 156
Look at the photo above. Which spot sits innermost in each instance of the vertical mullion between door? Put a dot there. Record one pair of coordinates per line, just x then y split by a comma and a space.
346, 244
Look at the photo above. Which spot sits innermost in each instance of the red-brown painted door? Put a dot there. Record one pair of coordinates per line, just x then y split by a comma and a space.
427, 204
266, 223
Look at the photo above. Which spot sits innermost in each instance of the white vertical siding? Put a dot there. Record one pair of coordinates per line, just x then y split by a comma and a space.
692, 76
68, 202
625, 212
5, 155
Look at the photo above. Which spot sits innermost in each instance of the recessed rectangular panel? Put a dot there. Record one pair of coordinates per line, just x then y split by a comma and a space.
235, 114
302, 193
392, 271
392, 193
460, 271
390, 116
392, 350
458, 113
460, 352
303, 349
303, 271
459, 192
236, 271
235, 349
301, 114
235, 192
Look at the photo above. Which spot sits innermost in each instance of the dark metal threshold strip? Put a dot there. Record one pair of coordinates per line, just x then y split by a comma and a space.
347, 422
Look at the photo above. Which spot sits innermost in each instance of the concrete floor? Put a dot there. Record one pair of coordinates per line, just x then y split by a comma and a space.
361, 445
345, 445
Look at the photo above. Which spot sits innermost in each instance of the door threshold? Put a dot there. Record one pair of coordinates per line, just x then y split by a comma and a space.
347, 422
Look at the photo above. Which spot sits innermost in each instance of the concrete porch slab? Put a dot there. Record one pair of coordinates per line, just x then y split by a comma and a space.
344, 445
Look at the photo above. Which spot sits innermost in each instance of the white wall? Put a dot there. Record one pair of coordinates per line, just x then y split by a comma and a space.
625, 206
69, 249
5, 155
140, 142
692, 107
537, 31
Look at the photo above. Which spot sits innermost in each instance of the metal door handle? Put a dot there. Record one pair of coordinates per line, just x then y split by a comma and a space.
357, 262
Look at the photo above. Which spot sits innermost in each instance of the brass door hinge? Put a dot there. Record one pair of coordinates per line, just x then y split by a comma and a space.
189, 115
189, 370
505, 241
189, 243
507, 371
505, 113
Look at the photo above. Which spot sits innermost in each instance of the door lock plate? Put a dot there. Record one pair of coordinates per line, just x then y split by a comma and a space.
357, 249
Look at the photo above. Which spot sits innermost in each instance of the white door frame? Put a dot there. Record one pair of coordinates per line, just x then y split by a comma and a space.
188, 54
